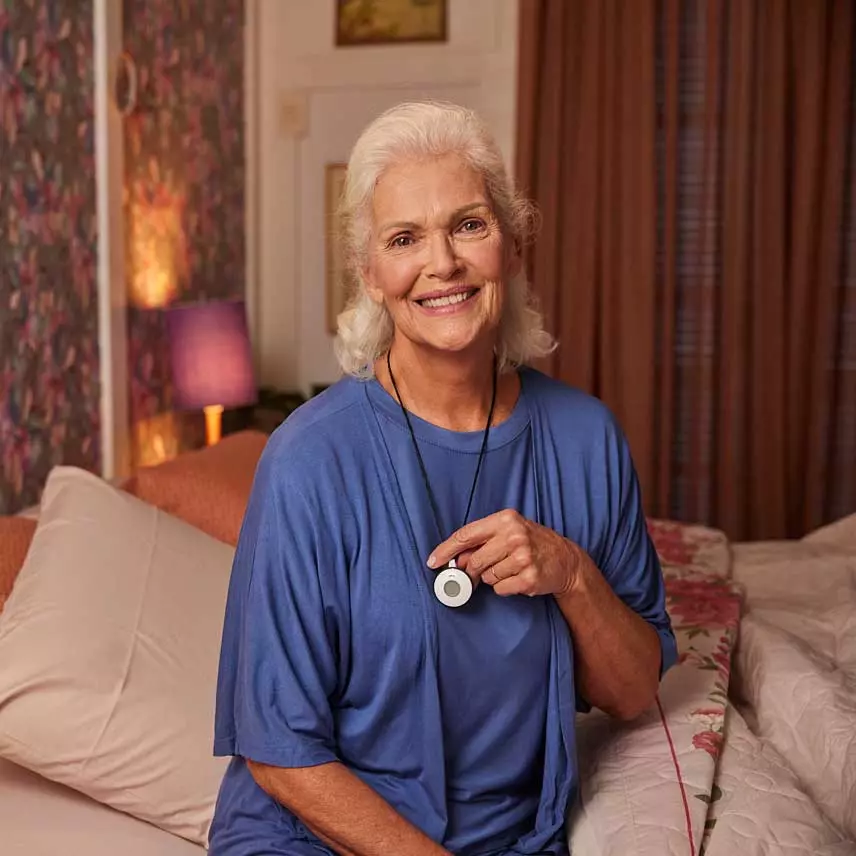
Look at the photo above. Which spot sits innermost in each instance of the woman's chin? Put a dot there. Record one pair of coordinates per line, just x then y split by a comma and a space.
451, 335
465, 343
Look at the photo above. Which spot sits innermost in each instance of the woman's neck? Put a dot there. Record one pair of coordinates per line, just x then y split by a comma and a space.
452, 391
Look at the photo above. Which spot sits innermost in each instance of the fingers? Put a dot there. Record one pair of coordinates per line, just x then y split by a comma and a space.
524, 583
511, 554
487, 557
498, 572
463, 560
500, 559
474, 535
463, 540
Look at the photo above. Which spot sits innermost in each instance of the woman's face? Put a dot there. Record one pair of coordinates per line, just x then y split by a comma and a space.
437, 257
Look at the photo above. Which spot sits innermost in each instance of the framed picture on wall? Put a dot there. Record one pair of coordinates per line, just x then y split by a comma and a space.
340, 283
384, 22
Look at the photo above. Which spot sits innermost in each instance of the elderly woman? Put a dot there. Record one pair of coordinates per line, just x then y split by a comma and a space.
444, 555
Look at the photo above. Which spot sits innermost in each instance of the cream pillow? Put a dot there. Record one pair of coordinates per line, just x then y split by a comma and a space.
109, 647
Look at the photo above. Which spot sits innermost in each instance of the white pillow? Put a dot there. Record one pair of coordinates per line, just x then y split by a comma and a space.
109, 648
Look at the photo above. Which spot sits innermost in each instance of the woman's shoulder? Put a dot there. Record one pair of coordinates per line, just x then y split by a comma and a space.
567, 406
323, 410
580, 431
320, 433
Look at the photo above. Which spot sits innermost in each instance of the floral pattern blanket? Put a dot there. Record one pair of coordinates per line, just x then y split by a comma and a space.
646, 787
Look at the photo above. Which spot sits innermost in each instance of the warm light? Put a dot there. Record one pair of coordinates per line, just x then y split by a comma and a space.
159, 447
157, 245
213, 423
156, 440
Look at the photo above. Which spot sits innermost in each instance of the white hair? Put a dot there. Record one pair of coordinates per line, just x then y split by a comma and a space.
418, 130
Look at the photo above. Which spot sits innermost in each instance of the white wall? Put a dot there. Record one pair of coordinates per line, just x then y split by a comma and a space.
335, 92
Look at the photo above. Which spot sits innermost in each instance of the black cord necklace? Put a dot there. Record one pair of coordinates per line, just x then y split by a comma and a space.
452, 586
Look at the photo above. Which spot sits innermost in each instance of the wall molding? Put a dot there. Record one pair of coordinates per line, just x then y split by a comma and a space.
112, 288
252, 116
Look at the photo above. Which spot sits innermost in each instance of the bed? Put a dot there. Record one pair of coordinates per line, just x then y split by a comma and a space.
765, 688
750, 749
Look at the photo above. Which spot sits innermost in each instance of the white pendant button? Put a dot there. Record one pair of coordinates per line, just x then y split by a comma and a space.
452, 586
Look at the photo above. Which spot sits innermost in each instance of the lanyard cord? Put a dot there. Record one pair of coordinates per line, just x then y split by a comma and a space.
431, 499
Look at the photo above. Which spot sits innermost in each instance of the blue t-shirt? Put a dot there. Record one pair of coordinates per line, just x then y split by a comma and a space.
335, 649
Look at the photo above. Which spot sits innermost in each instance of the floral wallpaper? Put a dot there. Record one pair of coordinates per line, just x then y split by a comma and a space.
184, 179
49, 372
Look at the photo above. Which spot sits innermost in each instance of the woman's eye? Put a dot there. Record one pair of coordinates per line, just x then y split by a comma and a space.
472, 225
401, 241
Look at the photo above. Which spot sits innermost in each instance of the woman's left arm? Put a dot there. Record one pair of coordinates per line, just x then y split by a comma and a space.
618, 653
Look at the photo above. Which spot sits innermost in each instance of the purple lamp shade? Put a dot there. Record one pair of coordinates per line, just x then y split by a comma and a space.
210, 354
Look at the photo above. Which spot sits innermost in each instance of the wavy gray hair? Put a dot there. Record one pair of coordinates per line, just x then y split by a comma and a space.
416, 130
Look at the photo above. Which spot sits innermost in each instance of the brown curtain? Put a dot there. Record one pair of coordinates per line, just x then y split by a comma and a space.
691, 160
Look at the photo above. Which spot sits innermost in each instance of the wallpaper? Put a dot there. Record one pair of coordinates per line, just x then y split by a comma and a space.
49, 373
184, 178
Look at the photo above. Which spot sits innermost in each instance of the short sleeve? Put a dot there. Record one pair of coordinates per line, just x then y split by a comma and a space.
625, 553
629, 562
278, 668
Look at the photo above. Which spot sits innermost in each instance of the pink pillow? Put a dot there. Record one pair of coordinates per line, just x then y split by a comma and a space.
208, 488
15, 536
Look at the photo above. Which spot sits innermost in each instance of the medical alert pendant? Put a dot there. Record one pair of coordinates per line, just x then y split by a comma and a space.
452, 586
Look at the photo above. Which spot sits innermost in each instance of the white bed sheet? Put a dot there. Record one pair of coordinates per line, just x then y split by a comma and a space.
786, 783
42, 818
762, 808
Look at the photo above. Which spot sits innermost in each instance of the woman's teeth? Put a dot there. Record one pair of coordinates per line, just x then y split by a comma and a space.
450, 300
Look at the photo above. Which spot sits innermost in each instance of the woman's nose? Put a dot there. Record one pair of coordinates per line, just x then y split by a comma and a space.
443, 263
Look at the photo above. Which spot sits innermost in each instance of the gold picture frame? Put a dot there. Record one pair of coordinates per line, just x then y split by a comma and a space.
386, 22
340, 281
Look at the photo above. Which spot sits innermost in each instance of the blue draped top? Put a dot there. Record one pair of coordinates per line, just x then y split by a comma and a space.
335, 649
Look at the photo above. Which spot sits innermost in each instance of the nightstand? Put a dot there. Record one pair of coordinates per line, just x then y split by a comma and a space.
271, 410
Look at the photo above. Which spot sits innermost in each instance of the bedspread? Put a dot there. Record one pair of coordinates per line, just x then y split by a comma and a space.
751, 748
646, 786
788, 772
760, 805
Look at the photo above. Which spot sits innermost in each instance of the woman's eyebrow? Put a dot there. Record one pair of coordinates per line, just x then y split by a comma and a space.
399, 224
473, 206
457, 213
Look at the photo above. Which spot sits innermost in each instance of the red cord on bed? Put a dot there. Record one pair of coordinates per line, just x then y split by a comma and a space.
680, 778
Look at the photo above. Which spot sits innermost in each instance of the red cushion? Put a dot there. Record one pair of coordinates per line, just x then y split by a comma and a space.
209, 488
16, 533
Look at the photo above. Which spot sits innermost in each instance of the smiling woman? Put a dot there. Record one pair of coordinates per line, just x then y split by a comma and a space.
419, 143
438, 270
444, 554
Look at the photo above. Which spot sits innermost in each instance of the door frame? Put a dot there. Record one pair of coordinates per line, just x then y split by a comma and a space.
112, 287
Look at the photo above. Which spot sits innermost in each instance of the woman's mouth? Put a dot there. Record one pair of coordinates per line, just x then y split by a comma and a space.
448, 301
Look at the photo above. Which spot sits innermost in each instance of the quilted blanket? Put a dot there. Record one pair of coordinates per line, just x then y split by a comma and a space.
751, 747
788, 769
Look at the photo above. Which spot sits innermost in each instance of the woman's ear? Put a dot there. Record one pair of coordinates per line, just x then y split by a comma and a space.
372, 290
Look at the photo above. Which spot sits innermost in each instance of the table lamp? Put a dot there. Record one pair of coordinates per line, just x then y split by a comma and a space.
211, 359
